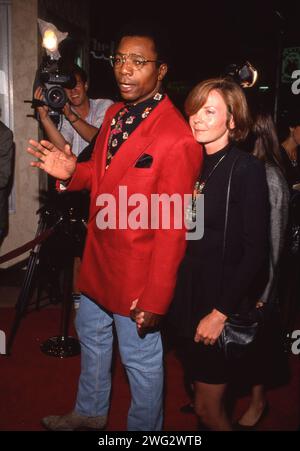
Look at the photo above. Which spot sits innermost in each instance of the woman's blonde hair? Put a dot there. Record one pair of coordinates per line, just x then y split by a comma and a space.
234, 99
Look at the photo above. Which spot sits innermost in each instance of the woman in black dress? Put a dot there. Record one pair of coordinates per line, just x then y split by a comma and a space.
267, 150
290, 151
211, 286
289, 285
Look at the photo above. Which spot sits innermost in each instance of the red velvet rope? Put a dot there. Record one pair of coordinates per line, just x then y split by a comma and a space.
27, 246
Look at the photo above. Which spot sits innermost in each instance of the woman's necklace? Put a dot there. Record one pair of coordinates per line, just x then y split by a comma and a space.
293, 159
198, 189
200, 186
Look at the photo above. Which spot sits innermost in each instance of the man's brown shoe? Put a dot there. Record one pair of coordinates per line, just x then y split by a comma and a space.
73, 421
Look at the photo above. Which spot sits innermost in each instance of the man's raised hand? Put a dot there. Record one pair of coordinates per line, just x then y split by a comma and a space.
59, 163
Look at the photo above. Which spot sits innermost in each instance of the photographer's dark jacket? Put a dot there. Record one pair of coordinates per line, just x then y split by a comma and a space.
6, 154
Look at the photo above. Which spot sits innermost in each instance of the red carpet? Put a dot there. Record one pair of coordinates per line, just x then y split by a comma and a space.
34, 385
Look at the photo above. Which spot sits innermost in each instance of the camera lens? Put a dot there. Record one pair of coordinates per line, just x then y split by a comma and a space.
56, 97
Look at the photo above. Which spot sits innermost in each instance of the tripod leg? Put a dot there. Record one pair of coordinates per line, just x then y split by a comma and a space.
63, 345
26, 288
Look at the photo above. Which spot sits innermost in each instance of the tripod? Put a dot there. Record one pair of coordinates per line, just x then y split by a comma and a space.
26, 288
61, 225
64, 345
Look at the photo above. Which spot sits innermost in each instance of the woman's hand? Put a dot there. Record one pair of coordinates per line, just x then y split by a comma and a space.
210, 327
59, 163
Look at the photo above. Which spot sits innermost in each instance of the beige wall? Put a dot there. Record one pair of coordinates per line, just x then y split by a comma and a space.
23, 223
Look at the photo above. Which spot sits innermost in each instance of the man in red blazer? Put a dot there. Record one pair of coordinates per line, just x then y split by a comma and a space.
130, 260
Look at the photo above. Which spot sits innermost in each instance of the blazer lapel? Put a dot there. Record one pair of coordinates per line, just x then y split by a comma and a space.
100, 149
125, 158
128, 153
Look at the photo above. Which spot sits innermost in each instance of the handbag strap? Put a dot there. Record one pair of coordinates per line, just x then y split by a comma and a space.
227, 211
226, 222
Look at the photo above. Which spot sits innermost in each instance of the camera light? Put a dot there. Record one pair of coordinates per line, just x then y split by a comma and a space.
50, 40
247, 75
244, 74
51, 37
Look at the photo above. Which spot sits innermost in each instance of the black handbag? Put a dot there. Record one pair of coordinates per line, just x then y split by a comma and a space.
238, 335
240, 330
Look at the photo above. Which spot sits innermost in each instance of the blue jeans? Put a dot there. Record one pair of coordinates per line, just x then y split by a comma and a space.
142, 358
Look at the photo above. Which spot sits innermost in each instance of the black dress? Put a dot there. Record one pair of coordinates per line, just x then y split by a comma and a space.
292, 171
199, 289
289, 280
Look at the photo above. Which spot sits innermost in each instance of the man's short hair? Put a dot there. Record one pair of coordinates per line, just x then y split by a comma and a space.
155, 32
77, 70
74, 69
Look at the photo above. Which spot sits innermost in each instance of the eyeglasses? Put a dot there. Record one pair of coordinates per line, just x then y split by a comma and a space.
136, 62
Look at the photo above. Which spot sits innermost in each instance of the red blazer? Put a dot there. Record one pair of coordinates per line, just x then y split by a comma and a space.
122, 265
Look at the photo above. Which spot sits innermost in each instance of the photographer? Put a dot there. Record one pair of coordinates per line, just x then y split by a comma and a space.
82, 117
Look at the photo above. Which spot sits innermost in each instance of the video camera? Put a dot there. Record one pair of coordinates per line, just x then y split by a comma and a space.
53, 80
244, 74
